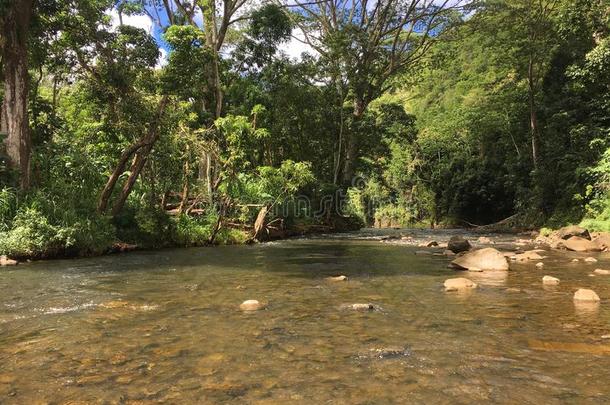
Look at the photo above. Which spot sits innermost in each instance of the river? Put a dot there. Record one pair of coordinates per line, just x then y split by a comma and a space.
165, 326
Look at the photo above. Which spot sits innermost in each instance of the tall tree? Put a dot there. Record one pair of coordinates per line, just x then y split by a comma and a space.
214, 20
14, 32
369, 43
531, 45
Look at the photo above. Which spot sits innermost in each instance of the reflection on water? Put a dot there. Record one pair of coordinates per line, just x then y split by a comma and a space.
165, 327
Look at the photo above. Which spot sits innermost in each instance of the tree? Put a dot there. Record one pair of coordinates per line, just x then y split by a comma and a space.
369, 44
15, 19
532, 44
213, 21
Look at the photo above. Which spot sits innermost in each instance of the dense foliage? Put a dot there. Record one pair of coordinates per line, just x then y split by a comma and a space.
464, 114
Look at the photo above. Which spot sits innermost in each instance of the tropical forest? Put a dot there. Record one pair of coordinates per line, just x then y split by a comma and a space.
264, 201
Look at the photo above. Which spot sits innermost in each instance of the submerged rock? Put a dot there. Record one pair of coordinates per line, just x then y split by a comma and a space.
337, 278
550, 280
251, 305
482, 259
591, 260
601, 272
584, 294
528, 255
5, 261
386, 353
457, 284
458, 244
485, 240
578, 244
360, 307
570, 347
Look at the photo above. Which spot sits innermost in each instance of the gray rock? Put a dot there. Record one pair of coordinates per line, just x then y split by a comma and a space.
458, 244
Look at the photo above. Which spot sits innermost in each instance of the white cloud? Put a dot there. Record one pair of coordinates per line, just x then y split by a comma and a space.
296, 46
139, 21
163, 58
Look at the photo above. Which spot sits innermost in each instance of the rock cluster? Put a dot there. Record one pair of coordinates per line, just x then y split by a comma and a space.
577, 239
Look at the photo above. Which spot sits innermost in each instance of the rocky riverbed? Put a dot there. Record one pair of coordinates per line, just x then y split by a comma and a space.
167, 326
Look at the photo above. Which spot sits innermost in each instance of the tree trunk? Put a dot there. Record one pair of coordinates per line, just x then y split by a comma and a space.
119, 169
141, 157
259, 224
185, 188
533, 114
351, 150
15, 26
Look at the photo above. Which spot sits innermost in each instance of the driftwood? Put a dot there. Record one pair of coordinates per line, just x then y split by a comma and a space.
259, 224
506, 223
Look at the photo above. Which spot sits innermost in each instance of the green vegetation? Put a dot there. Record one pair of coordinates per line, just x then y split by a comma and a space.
415, 116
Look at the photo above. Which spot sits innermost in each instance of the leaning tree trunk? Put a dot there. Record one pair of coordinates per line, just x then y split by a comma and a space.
15, 25
119, 169
141, 157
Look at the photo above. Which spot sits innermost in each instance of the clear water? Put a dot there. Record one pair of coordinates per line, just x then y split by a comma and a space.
165, 327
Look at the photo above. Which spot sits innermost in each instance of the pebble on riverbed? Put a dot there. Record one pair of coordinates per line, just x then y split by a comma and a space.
251, 305
539, 265
550, 280
591, 260
586, 295
359, 307
601, 272
337, 278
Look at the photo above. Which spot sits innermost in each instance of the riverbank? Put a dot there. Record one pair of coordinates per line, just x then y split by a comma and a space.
184, 237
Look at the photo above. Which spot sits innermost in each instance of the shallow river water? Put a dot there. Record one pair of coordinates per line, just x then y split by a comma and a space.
165, 326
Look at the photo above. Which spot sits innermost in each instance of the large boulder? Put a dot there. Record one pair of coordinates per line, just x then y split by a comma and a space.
480, 260
573, 230
458, 284
579, 244
458, 244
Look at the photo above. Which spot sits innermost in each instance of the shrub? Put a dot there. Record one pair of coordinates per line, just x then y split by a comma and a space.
33, 234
